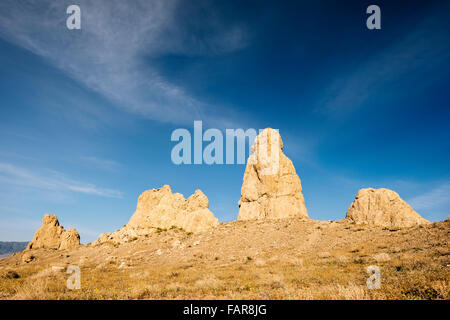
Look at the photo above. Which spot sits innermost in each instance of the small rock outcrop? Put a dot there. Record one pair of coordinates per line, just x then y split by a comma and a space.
162, 209
383, 207
51, 235
271, 188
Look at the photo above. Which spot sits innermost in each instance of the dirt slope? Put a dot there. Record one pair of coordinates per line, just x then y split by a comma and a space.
267, 259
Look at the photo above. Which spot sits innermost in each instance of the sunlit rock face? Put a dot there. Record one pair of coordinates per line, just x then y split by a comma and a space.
271, 188
164, 209
160, 208
383, 207
51, 235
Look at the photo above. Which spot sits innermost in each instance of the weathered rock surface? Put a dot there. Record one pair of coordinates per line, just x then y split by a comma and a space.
271, 188
383, 207
51, 235
27, 257
160, 208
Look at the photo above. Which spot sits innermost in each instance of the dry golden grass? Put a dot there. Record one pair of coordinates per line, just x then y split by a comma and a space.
284, 259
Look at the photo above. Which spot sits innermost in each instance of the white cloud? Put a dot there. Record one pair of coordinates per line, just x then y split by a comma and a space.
436, 198
54, 181
108, 54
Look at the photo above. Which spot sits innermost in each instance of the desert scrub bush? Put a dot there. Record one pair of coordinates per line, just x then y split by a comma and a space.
159, 230
423, 294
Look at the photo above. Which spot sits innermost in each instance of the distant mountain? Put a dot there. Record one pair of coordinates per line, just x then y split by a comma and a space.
7, 248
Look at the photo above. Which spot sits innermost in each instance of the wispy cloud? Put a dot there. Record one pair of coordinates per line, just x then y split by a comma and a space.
425, 48
6, 154
108, 54
436, 198
54, 181
104, 164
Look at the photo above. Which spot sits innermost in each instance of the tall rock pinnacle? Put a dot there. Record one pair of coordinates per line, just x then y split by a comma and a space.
271, 187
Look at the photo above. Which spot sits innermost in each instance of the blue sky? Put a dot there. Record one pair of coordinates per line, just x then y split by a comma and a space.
86, 115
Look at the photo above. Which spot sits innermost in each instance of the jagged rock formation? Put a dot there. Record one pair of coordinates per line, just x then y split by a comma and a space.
160, 208
271, 187
383, 207
51, 235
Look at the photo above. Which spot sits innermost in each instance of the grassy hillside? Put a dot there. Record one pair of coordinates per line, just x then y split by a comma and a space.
272, 259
